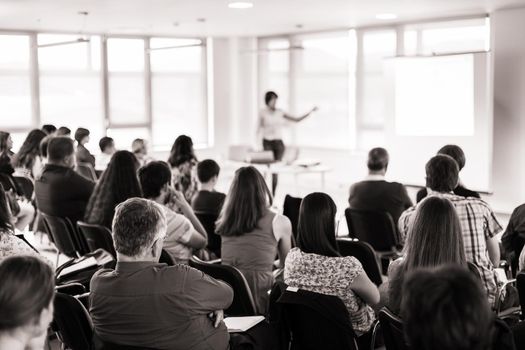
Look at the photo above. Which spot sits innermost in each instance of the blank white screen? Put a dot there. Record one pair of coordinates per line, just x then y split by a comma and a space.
434, 96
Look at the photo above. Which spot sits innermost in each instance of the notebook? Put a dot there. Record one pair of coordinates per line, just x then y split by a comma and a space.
242, 324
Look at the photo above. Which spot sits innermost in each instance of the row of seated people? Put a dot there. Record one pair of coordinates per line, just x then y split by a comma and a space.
151, 305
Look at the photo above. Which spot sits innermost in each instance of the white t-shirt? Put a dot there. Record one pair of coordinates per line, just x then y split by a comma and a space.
272, 123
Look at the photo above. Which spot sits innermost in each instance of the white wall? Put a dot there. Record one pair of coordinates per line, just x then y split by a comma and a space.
508, 47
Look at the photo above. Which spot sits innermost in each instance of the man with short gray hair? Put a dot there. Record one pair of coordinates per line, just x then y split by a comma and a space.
146, 304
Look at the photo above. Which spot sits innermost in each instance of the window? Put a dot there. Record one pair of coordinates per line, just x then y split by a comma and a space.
377, 45
448, 37
127, 94
178, 90
325, 77
15, 83
71, 83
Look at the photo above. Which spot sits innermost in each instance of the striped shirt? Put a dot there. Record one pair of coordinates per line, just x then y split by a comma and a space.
478, 225
178, 235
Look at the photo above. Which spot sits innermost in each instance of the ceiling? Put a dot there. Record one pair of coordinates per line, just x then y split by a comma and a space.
214, 18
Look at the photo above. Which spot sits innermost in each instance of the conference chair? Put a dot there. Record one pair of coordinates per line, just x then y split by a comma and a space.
97, 236
214, 240
71, 289
8, 183
72, 323
520, 284
25, 185
363, 252
86, 170
317, 321
291, 208
243, 303
374, 227
64, 236
166, 258
392, 329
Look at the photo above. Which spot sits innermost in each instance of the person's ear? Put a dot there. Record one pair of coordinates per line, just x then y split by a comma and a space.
70, 160
156, 249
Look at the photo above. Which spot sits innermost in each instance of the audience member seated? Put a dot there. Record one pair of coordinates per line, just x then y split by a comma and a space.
316, 265
375, 193
26, 302
447, 309
22, 210
9, 243
27, 161
6, 155
147, 304
43, 149
513, 238
118, 183
456, 153
139, 147
185, 233
182, 160
49, 129
107, 149
434, 238
479, 225
207, 200
63, 131
252, 234
83, 155
59, 190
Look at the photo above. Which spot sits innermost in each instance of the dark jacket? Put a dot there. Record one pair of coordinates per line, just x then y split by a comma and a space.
60, 191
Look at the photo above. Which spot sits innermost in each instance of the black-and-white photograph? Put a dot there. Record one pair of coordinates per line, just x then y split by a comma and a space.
262, 174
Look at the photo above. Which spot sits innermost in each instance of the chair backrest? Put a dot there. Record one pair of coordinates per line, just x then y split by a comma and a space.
520, 284
72, 323
166, 258
243, 303
214, 240
363, 252
392, 328
317, 321
65, 236
86, 170
374, 227
26, 185
8, 183
97, 236
291, 208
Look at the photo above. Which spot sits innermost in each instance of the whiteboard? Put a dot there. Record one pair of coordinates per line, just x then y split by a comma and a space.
434, 101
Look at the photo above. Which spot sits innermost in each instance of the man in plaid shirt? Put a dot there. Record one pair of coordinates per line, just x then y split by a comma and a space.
479, 225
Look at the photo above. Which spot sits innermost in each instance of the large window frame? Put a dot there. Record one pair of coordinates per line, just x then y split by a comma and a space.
35, 74
360, 125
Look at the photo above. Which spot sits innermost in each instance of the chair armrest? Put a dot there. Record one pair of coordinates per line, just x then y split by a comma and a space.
497, 302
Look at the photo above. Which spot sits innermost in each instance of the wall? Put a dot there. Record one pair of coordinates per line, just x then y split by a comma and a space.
508, 47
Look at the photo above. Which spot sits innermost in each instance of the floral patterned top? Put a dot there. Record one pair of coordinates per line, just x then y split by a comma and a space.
11, 245
331, 276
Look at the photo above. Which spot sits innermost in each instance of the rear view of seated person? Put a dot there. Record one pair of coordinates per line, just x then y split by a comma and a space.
26, 302
63, 131
479, 225
316, 265
513, 238
207, 200
434, 239
456, 153
185, 233
139, 147
446, 309
83, 155
59, 190
107, 149
147, 304
374, 193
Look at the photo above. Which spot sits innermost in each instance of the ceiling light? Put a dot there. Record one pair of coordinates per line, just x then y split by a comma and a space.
386, 16
240, 5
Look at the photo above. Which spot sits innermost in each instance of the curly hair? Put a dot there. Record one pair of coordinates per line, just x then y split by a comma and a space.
118, 183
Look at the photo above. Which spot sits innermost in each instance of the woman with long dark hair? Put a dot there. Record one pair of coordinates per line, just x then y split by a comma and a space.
117, 183
26, 302
434, 238
252, 234
182, 160
6, 144
27, 161
316, 265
